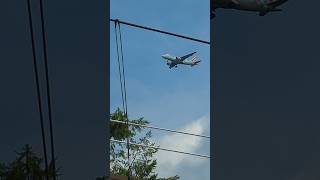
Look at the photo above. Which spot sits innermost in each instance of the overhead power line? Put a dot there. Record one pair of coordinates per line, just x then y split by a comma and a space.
162, 129
159, 31
163, 149
44, 146
123, 86
123, 73
125, 95
119, 68
44, 43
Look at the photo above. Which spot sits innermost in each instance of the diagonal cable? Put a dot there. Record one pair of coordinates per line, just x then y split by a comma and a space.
122, 86
159, 31
125, 100
44, 43
119, 67
123, 74
161, 129
38, 90
163, 149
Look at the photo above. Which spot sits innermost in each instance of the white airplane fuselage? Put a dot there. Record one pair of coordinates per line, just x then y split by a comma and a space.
173, 61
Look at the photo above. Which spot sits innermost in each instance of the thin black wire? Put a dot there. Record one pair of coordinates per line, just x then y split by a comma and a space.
123, 90
163, 149
119, 68
159, 31
125, 101
48, 90
123, 74
162, 129
38, 90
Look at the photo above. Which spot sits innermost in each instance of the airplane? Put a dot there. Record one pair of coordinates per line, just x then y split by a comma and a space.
173, 61
261, 6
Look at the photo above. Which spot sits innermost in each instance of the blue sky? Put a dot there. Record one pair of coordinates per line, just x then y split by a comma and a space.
171, 98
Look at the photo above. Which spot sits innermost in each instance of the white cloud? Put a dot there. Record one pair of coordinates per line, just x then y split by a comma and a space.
170, 163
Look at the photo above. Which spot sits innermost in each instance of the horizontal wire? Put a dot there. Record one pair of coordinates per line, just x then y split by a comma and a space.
164, 149
162, 129
159, 31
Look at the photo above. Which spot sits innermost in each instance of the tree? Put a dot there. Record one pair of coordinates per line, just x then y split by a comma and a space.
27, 165
3, 171
142, 162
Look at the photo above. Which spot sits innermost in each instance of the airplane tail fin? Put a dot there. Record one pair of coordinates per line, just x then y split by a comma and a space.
195, 61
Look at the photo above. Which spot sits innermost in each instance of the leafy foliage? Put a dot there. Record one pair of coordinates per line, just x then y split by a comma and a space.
26, 166
142, 163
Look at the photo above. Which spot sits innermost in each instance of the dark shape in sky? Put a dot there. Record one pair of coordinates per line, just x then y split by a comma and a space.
263, 7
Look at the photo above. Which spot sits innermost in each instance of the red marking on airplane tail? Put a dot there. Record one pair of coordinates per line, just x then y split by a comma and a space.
194, 59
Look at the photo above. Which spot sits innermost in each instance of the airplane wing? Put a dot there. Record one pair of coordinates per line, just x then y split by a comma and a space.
186, 56
171, 65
